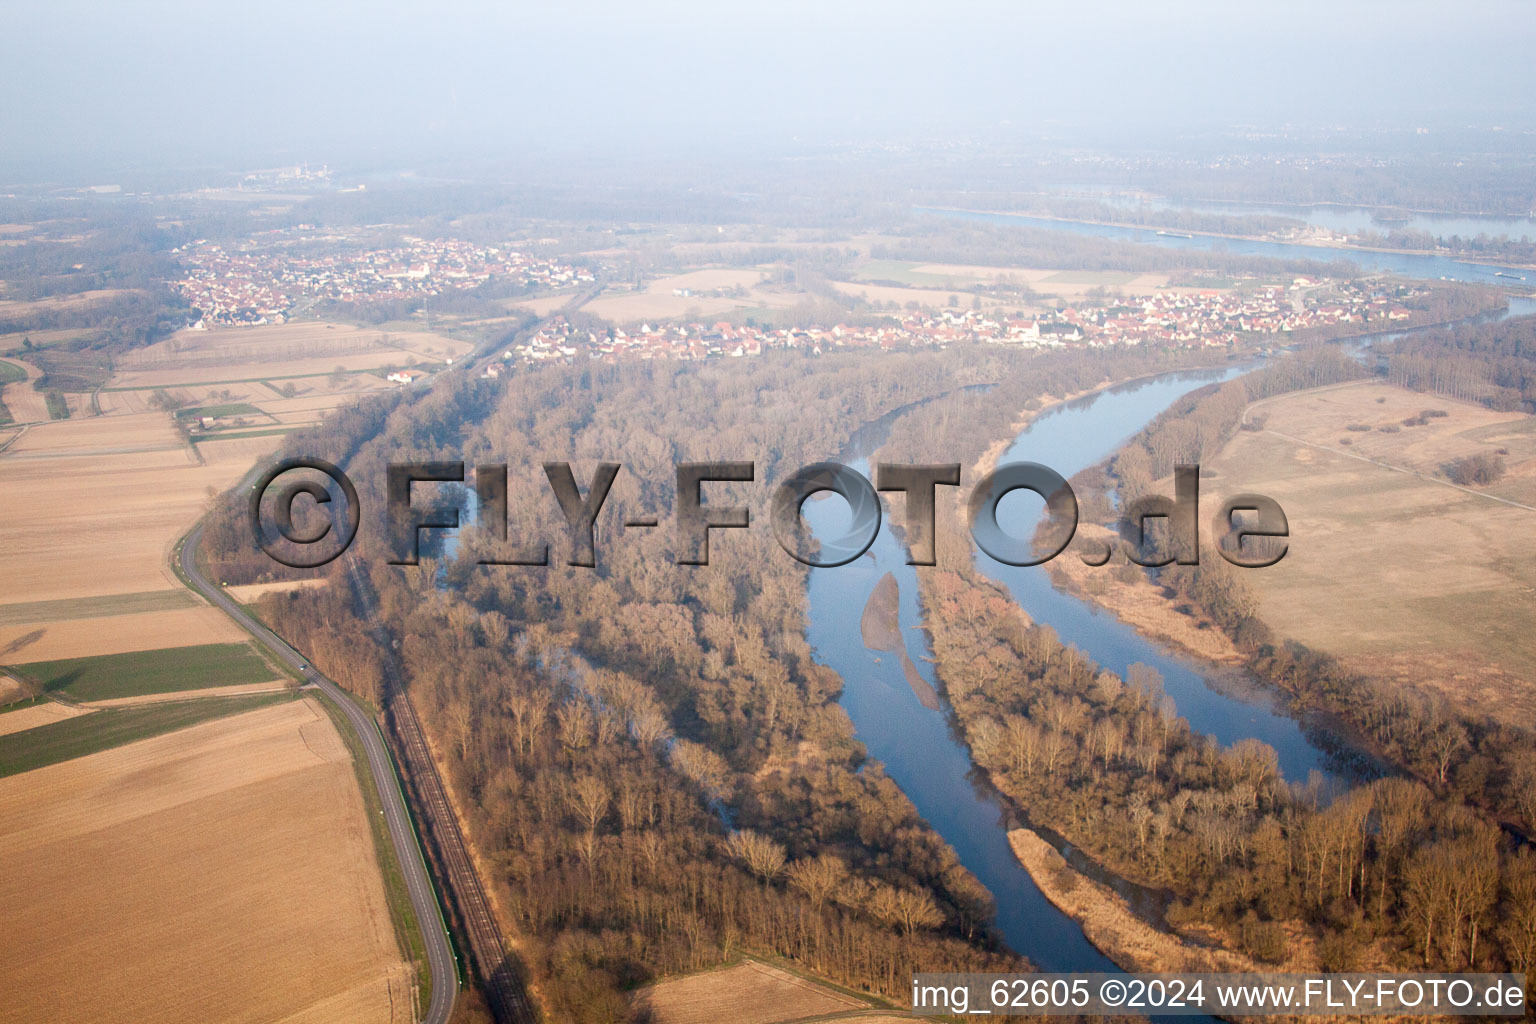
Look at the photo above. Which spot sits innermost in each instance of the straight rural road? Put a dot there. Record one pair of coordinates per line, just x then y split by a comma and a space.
440, 958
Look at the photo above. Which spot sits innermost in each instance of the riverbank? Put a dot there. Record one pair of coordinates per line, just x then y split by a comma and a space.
1139, 602
1261, 239
1115, 930
989, 457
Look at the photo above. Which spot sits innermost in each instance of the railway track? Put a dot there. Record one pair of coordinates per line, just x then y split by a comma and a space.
498, 972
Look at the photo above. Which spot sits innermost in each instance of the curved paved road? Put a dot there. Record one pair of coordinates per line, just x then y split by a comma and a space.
440, 958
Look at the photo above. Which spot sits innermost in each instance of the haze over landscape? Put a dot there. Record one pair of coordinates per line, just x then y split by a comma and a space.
173, 84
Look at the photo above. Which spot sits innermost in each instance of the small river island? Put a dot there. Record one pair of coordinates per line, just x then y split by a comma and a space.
880, 626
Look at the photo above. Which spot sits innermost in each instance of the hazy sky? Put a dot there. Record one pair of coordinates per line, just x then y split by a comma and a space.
210, 83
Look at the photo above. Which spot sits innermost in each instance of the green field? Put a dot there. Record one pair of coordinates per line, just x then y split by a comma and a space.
235, 435
113, 727
143, 672
217, 411
58, 408
10, 373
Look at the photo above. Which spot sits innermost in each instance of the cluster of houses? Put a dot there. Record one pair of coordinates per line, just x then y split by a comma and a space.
1170, 319
261, 281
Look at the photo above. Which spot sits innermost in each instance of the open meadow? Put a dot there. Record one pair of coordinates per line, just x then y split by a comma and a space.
223, 871
1391, 567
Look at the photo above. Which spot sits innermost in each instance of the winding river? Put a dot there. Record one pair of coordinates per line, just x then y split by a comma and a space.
917, 745
1420, 265
1347, 219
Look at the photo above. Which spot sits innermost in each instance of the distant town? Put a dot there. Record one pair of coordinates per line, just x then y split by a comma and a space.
265, 280
1192, 319
281, 274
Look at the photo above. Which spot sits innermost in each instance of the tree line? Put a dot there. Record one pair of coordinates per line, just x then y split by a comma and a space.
1494, 363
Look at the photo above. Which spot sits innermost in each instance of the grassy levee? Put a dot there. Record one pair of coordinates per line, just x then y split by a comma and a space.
402, 917
139, 673
113, 727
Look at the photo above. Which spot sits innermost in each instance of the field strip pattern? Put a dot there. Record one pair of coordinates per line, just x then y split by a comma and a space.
26, 613
218, 872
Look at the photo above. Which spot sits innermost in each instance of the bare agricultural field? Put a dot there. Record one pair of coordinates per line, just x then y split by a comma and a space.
658, 301
711, 278
927, 298
231, 457
311, 404
36, 715
93, 506
230, 355
1392, 569
117, 634
932, 284
1044, 280
141, 401
100, 435
278, 373
12, 309
633, 307
250, 593
280, 343
26, 405
750, 993
11, 690
224, 871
